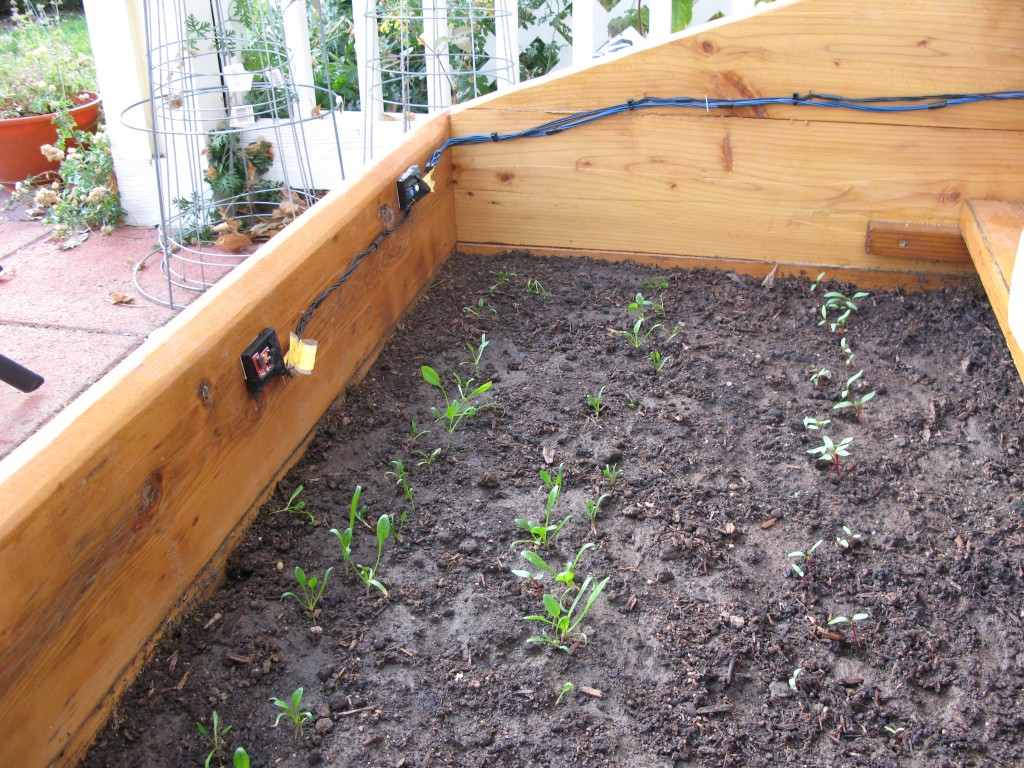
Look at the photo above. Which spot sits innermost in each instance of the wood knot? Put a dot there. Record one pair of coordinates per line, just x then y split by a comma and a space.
707, 46
149, 499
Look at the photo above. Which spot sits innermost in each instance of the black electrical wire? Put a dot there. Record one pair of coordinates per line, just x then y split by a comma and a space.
307, 315
868, 104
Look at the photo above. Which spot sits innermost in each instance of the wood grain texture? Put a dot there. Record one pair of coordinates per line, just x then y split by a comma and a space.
108, 514
863, 278
853, 49
924, 242
770, 190
992, 229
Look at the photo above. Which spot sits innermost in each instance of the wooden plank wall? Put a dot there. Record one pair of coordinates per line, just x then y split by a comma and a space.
109, 513
796, 185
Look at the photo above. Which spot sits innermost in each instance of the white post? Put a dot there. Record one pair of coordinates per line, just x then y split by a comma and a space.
367, 58
506, 34
660, 20
582, 31
296, 37
435, 44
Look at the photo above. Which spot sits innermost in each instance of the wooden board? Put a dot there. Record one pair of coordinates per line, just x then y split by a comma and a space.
108, 514
992, 229
853, 49
922, 242
769, 190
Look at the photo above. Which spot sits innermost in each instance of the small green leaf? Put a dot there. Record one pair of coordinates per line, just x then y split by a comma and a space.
430, 376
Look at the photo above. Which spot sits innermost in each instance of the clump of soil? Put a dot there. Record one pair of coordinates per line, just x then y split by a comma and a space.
704, 623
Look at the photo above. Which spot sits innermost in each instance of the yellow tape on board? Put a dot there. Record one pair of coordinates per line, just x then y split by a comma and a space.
301, 355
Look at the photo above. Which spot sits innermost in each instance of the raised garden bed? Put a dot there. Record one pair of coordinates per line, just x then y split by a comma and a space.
704, 621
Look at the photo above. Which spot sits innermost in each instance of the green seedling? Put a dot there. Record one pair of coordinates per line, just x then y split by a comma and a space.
457, 408
534, 287
566, 688
357, 511
562, 625
296, 507
817, 282
847, 352
897, 734
503, 278
241, 758
657, 361
592, 508
427, 459
637, 337
543, 533
857, 403
654, 285
812, 424
793, 684
480, 309
311, 588
366, 573
214, 738
401, 478
553, 483
838, 326
837, 300
594, 401
417, 432
631, 401
639, 307
852, 621
849, 540
824, 316
832, 452
818, 379
566, 576
611, 471
848, 384
477, 352
673, 333
807, 558
293, 711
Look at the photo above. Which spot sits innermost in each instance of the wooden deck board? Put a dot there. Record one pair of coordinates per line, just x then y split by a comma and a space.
992, 230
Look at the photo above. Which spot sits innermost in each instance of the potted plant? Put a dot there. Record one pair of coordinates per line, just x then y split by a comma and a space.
56, 154
45, 66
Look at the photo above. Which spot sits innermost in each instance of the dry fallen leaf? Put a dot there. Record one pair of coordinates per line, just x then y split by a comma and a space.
119, 298
549, 454
232, 242
769, 281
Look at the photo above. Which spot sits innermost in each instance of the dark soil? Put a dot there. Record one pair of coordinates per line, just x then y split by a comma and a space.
703, 621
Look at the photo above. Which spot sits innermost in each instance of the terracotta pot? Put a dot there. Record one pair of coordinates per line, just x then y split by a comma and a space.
21, 138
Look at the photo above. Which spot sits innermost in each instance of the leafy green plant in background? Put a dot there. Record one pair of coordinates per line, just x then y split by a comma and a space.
240, 759
311, 589
214, 738
561, 625
293, 711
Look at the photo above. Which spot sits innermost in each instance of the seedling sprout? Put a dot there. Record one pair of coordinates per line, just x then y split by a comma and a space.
594, 401
566, 687
477, 352
459, 407
592, 508
807, 558
852, 621
311, 589
658, 361
214, 738
293, 711
793, 679
812, 424
611, 471
296, 507
832, 452
561, 625
818, 379
849, 540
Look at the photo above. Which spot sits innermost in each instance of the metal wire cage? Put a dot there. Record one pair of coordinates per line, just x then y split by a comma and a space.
429, 54
229, 114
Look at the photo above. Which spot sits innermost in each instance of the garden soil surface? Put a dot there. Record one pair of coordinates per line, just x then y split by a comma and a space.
705, 648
